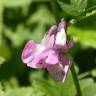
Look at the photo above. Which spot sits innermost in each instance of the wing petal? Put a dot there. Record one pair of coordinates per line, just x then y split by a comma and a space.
70, 43
59, 71
49, 38
56, 72
52, 58
30, 47
30, 52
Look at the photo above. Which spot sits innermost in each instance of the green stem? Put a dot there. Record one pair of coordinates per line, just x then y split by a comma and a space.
76, 82
73, 21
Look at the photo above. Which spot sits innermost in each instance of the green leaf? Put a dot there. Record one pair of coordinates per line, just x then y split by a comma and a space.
42, 16
90, 91
2, 60
1, 93
19, 36
36, 74
10, 84
88, 87
13, 82
37, 33
16, 3
5, 53
50, 86
1, 90
20, 3
23, 91
85, 85
85, 37
75, 7
93, 73
40, 0
23, 34
84, 74
79, 4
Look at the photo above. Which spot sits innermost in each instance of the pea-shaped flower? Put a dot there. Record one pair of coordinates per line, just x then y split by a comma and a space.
51, 53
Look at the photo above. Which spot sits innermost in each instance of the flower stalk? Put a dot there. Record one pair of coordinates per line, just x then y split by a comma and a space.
76, 81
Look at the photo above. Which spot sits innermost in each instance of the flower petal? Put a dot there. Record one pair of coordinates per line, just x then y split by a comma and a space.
62, 25
66, 62
61, 38
52, 58
52, 40
61, 34
49, 38
30, 51
52, 30
30, 47
70, 43
59, 71
56, 72
45, 56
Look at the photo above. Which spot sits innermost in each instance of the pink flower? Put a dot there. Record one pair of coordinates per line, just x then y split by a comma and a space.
51, 53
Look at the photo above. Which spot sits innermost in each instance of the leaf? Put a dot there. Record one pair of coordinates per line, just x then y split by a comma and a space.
87, 23
5, 53
93, 73
75, 7
2, 60
80, 5
84, 75
76, 68
88, 87
85, 85
84, 32
16, 3
37, 33
19, 36
14, 82
40, 0
23, 91
10, 84
1, 90
42, 16
20, 3
49, 86
36, 74
1, 93
91, 3
90, 91
83, 36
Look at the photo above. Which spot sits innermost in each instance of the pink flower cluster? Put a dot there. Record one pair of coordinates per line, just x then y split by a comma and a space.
51, 53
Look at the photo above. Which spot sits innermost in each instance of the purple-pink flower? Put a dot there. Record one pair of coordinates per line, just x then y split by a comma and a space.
51, 53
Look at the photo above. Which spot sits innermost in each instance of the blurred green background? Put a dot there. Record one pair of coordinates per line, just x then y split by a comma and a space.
21, 20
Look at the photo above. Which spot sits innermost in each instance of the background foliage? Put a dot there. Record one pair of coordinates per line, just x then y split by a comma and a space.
21, 20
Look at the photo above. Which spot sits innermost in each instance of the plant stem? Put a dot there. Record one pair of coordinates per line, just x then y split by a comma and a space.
76, 82
88, 14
